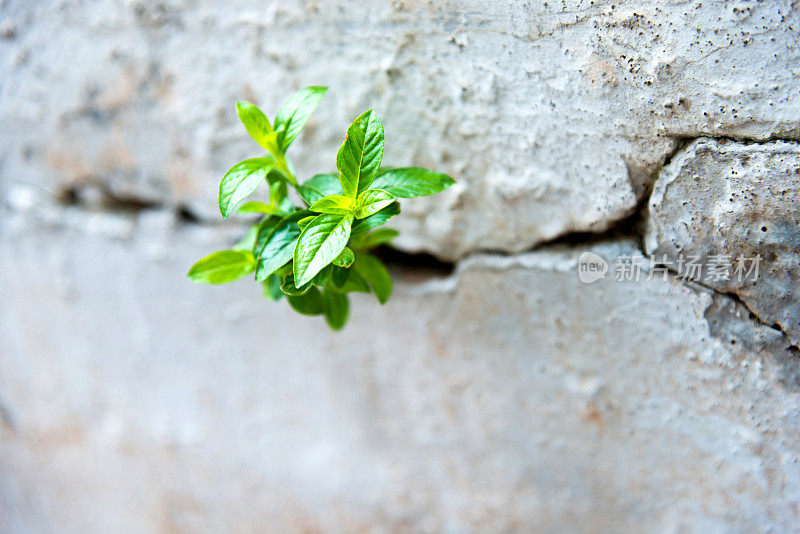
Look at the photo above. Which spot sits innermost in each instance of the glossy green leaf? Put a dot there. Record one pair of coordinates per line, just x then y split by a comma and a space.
319, 186
295, 112
359, 157
277, 247
284, 270
272, 287
255, 206
279, 197
282, 172
289, 163
345, 258
258, 126
323, 253
339, 275
302, 223
222, 267
263, 231
241, 180
347, 280
322, 277
374, 272
285, 169
287, 206
277, 192
289, 287
355, 283
372, 201
309, 303
275, 175
321, 241
410, 182
364, 225
335, 204
336, 307
373, 239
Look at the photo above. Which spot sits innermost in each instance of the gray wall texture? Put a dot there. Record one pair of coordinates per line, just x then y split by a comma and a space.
506, 396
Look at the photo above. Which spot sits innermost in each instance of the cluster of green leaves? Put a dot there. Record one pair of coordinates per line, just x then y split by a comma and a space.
315, 254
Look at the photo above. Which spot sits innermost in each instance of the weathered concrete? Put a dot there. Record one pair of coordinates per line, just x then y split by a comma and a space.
719, 201
553, 117
510, 397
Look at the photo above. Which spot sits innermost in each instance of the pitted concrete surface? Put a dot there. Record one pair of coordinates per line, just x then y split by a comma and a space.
508, 396
552, 117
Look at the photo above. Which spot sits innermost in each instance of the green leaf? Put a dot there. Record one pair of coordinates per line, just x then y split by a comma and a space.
277, 247
222, 267
255, 206
302, 223
372, 201
308, 304
284, 169
321, 241
346, 280
284, 270
373, 239
374, 272
336, 308
264, 229
335, 204
281, 172
322, 277
359, 157
279, 197
345, 258
287, 206
258, 126
295, 112
318, 186
289, 287
275, 175
364, 225
410, 182
241, 180
272, 287
277, 192
339, 276
355, 283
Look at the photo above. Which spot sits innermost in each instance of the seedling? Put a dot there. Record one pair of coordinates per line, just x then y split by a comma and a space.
314, 255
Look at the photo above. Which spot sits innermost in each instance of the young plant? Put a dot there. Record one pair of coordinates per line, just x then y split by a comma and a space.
314, 255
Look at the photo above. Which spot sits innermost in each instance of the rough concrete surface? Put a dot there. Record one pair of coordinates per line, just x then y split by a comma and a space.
506, 396
552, 115
720, 201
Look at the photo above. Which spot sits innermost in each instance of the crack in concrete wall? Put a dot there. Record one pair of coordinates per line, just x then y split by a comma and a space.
494, 374
632, 226
719, 198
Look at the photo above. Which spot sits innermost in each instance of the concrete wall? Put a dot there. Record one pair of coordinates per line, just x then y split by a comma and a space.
506, 396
